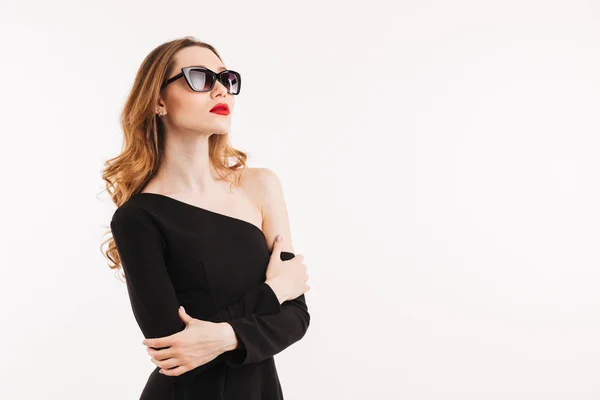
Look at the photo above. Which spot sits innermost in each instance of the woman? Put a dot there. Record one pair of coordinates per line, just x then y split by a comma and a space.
192, 230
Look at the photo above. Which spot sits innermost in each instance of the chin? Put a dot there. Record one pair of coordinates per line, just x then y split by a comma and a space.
219, 131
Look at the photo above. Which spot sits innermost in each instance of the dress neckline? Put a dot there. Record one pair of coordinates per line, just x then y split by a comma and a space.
229, 217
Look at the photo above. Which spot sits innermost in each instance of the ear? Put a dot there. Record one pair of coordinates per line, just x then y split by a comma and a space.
160, 103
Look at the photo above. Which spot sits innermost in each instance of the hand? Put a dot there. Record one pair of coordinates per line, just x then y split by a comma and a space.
199, 343
286, 278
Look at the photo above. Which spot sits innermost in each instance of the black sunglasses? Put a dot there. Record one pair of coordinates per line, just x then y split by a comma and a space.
201, 79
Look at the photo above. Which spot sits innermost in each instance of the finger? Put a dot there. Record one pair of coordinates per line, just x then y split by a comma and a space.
167, 364
277, 243
184, 316
159, 343
163, 354
173, 372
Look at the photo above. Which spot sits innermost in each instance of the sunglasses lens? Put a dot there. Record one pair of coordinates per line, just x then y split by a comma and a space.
231, 80
201, 80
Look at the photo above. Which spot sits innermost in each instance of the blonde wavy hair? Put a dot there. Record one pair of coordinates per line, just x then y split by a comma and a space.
143, 136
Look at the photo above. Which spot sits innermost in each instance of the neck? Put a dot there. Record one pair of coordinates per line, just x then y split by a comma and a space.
186, 167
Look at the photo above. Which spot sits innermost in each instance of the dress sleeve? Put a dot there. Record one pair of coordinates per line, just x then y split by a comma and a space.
260, 300
263, 326
152, 296
262, 335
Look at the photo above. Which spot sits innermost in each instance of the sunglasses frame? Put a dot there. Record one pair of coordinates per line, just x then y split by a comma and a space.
185, 72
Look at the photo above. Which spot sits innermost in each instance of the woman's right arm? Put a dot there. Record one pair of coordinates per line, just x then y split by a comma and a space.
152, 296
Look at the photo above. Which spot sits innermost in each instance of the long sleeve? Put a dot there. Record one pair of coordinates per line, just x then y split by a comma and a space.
152, 296
260, 300
154, 302
263, 336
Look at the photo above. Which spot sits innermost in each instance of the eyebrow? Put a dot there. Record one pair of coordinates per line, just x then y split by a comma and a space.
218, 69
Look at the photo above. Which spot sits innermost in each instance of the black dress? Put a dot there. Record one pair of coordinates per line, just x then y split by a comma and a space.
174, 253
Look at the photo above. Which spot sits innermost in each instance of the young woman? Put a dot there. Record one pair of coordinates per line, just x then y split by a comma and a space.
193, 230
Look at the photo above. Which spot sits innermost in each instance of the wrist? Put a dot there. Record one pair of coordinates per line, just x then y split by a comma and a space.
276, 287
230, 341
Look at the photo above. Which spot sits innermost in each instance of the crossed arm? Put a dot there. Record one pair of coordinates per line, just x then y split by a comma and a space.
263, 326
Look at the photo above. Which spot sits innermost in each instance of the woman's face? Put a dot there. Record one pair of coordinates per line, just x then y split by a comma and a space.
189, 111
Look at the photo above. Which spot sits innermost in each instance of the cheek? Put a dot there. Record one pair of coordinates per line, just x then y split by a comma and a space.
191, 108
195, 102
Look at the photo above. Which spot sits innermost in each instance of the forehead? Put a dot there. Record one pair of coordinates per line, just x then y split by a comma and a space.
198, 56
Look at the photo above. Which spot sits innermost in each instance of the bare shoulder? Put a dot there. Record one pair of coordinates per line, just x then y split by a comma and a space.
265, 188
260, 179
260, 184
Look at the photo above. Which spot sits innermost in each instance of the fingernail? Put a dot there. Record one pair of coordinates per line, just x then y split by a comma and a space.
278, 238
161, 371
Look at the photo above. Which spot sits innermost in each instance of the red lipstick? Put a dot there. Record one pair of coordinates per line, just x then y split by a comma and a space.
221, 108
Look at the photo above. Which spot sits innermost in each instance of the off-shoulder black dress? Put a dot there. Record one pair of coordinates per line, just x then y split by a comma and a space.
174, 253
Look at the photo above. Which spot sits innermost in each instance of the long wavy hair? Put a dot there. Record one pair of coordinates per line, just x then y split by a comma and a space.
143, 136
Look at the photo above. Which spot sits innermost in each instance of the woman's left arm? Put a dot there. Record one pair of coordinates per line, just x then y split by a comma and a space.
262, 336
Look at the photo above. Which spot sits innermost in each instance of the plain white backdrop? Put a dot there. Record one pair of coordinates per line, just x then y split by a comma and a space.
439, 162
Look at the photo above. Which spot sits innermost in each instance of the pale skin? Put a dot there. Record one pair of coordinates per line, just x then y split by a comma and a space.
187, 174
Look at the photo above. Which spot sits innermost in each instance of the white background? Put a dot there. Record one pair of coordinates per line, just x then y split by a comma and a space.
439, 161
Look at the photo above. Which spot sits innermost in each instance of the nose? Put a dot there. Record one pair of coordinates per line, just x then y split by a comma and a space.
219, 89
